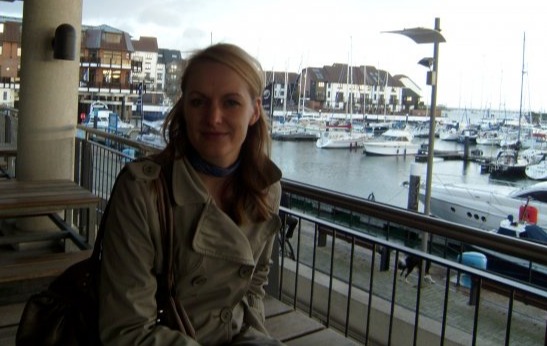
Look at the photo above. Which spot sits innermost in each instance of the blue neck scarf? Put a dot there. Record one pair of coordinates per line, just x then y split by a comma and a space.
202, 166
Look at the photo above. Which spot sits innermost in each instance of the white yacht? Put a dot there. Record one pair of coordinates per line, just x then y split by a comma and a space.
393, 142
485, 206
341, 140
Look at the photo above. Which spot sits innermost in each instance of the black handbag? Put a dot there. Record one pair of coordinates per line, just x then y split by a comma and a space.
67, 312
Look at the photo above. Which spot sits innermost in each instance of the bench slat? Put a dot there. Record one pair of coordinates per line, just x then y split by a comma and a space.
325, 337
42, 196
11, 314
292, 325
49, 265
273, 307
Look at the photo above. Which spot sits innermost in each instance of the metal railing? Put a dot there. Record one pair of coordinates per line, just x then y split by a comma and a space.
342, 265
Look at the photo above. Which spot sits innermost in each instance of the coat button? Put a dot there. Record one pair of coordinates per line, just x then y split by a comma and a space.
226, 315
148, 169
245, 271
199, 281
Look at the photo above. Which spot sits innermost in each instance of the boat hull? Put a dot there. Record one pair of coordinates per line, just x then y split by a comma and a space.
479, 206
340, 141
537, 171
391, 149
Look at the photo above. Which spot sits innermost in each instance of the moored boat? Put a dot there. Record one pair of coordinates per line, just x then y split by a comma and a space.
508, 165
484, 206
340, 140
393, 142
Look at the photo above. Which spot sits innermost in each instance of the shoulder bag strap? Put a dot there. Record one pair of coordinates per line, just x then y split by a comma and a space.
165, 211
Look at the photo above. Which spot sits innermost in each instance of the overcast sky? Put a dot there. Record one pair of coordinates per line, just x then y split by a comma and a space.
480, 65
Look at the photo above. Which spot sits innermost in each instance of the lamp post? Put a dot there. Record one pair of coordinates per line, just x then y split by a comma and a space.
420, 36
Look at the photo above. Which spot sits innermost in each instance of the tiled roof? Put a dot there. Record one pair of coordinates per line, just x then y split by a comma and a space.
167, 56
146, 44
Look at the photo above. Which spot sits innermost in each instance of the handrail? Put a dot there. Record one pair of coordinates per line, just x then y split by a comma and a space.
513, 246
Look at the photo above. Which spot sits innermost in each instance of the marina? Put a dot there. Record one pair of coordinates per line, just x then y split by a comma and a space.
378, 177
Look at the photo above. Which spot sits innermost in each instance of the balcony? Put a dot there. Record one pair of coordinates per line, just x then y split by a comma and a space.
339, 267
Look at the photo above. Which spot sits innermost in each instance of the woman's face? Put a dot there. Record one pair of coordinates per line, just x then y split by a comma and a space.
218, 110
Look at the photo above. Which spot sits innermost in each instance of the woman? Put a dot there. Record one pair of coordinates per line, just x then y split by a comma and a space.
225, 192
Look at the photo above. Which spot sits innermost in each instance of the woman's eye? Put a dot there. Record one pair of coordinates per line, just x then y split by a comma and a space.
196, 102
232, 103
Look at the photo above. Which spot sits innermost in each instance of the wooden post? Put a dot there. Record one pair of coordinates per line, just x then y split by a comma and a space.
413, 187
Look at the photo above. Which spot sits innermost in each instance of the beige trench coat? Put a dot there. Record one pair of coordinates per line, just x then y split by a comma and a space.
220, 268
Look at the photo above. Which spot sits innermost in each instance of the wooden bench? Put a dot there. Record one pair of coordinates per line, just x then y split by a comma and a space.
24, 275
49, 265
48, 198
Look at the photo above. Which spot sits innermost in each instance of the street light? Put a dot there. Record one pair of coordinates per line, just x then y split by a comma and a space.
420, 36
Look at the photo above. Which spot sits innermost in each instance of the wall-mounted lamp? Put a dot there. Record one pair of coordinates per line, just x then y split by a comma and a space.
64, 42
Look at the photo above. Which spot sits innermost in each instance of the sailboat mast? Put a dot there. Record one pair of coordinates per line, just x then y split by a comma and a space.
286, 93
521, 89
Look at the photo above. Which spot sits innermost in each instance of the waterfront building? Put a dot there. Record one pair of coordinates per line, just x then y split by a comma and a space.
170, 67
113, 68
118, 70
146, 54
10, 61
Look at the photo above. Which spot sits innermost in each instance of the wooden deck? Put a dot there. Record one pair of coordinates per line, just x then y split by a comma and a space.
21, 276
295, 328
292, 327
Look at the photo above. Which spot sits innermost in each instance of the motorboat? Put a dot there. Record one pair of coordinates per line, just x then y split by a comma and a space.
341, 140
538, 170
104, 119
393, 142
292, 132
489, 137
484, 206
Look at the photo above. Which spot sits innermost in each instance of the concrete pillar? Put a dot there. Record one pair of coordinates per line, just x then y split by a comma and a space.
48, 97
49, 93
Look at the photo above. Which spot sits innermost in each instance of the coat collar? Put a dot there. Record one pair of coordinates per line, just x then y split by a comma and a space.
188, 188
216, 234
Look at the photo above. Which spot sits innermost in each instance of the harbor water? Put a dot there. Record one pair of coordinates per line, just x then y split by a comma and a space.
378, 177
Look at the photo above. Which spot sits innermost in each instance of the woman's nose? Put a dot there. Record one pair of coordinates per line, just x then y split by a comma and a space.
214, 114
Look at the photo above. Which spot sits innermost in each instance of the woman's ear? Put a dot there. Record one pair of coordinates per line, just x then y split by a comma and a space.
256, 112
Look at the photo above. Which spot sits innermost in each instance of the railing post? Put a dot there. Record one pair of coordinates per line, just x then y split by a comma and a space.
474, 290
322, 237
385, 258
7, 129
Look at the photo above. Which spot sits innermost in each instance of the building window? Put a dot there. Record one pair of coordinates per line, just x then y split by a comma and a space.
1, 28
110, 37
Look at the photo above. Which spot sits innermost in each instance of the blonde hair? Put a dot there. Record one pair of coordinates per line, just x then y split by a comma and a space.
250, 178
